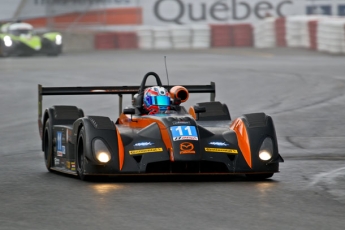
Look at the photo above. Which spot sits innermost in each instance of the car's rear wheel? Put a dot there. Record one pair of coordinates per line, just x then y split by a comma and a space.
81, 155
48, 146
262, 176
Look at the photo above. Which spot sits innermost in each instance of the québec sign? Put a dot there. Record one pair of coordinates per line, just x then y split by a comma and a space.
215, 11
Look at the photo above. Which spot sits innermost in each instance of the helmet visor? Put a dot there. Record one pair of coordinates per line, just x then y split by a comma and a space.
159, 100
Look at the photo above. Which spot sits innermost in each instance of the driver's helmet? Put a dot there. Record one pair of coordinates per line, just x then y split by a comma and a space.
156, 100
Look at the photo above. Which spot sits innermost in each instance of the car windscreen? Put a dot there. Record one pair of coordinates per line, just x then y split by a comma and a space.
18, 32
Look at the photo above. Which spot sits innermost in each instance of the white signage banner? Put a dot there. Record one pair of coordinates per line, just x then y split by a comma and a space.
163, 12
167, 12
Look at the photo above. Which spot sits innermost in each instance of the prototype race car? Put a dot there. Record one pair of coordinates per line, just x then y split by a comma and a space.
18, 39
203, 140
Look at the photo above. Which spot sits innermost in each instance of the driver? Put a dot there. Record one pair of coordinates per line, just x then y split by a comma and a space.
156, 100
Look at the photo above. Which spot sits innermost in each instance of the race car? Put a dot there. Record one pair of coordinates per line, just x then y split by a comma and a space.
18, 39
162, 138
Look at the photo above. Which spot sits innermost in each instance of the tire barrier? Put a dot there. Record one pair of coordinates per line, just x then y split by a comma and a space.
161, 38
173, 37
145, 37
280, 31
221, 35
242, 35
77, 41
115, 40
331, 35
264, 33
297, 30
104, 41
312, 28
321, 33
315, 32
181, 37
238, 35
125, 40
201, 36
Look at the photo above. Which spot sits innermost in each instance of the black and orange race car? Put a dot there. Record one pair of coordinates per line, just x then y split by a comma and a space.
202, 140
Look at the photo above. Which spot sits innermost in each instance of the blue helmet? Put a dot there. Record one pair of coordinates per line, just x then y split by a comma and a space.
156, 99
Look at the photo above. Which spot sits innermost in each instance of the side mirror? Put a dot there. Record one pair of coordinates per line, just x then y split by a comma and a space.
130, 111
199, 109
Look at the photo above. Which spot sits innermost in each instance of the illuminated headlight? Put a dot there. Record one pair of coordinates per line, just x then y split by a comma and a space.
8, 41
266, 150
58, 39
101, 151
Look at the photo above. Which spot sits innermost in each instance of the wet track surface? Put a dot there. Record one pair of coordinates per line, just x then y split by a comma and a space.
303, 91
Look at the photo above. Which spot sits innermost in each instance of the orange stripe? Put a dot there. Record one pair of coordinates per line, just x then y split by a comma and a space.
142, 122
172, 158
243, 141
118, 16
192, 112
121, 150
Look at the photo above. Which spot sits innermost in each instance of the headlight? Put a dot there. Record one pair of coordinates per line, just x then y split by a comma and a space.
266, 150
8, 41
58, 39
101, 151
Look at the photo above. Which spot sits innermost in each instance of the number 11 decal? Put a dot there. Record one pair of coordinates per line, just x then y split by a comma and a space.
184, 133
179, 129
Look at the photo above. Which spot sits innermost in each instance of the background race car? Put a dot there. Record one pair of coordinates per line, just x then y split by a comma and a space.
19, 38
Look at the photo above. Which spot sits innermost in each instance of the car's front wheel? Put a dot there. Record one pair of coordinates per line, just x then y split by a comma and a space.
3, 50
81, 161
48, 146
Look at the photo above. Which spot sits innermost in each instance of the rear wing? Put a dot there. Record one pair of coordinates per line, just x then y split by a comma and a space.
119, 90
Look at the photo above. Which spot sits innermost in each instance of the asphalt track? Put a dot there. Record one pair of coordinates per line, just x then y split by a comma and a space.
302, 90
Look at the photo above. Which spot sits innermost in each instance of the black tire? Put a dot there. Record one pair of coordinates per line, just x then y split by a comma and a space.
262, 176
48, 146
81, 155
3, 52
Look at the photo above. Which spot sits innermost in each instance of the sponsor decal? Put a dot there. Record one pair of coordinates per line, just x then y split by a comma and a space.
143, 144
62, 152
142, 151
219, 150
182, 132
218, 143
59, 143
185, 138
187, 148
56, 161
68, 165
181, 122
73, 166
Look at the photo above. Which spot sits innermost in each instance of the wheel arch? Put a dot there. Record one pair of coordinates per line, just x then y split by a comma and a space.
96, 127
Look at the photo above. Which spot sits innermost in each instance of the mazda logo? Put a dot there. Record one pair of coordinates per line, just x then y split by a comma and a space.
186, 146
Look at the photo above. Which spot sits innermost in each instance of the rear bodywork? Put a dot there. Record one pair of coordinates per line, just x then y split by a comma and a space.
182, 142
18, 39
